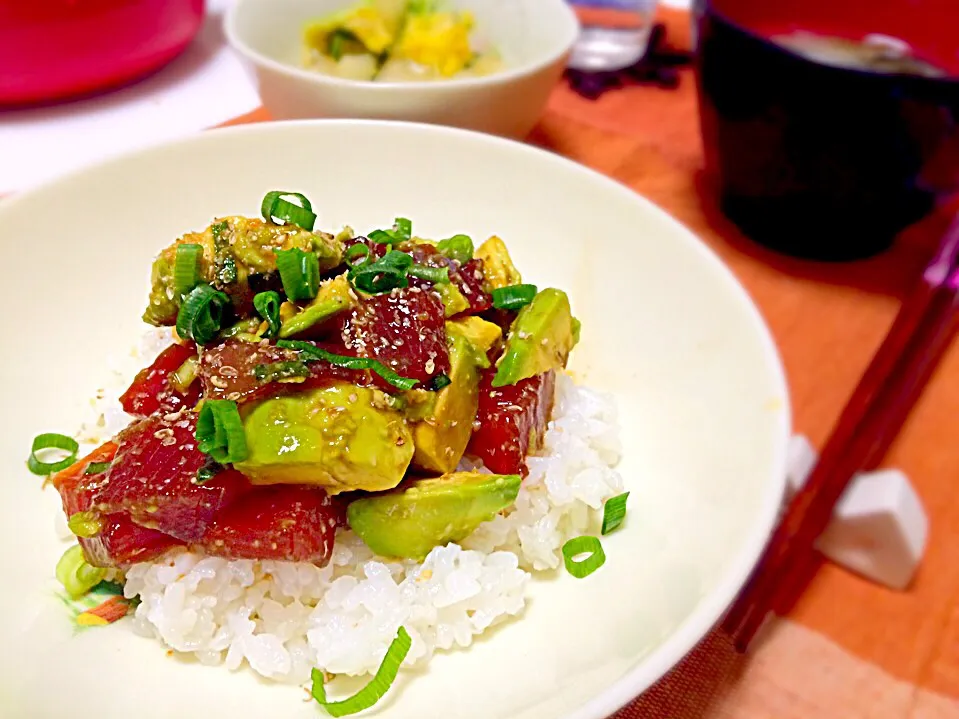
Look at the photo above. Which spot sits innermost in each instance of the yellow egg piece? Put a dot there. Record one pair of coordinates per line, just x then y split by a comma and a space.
437, 40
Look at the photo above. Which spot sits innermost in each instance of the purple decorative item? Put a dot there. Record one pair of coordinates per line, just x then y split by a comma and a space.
658, 67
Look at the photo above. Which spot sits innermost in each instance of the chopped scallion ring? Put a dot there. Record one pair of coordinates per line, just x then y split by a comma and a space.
52, 441
76, 576
440, 381
299, 272
85, 524
355, 251
514, 297
378, 686
382, 237
275, 207
614, 511
219, 431
387, 273
97, 467
457, 247
186, 268
583, 545
267, 305
280, 370
311, 353
402, 229
202, 313
436, 275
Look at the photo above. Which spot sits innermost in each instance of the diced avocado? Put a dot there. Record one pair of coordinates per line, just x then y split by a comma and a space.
497, 264
332, 437
163, 304
234, 248
441, 439
334, 297
454, 301
481, 334
429, 513
540, 339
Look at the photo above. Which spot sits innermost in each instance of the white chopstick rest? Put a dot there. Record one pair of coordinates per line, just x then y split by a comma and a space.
879, 527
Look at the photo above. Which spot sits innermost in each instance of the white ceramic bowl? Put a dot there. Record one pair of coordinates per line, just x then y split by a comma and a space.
698, 383
534, 36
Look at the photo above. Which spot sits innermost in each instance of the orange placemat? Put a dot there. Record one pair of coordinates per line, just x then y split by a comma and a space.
850, 648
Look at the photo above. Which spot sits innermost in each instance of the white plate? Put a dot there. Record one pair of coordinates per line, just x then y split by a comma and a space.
700, 388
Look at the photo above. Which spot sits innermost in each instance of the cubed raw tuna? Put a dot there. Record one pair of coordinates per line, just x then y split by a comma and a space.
228, 371
405, 329
153, 479
121, 542
283, 522
151, 391
511, 421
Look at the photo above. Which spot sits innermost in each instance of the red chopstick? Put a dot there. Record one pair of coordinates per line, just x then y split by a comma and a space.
875, 413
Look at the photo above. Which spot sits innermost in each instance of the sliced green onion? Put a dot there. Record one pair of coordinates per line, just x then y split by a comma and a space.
97, 467
378, 686
440, 381
457, 247
299, 272
387, 273
355, 251
186, 269
219, 431
217, 230
402, 229
202, 313
275, 207
281, 370
267, 304
185, 374
382, 237
228, 273
614, 511
583, 545
85, 524
338, 39
436, 275
310, 353
208, 471
52, 441
514, 297
76, 576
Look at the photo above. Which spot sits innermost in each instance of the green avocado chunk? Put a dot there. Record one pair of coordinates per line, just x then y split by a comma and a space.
540, 340
408, 523
338, 437
441, 438
334, 297
497, 264
234, 249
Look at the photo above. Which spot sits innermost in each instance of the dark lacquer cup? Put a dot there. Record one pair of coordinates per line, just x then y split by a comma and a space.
829, 126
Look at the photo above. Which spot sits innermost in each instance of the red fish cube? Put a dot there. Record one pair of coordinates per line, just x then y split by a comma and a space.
405, 329
153, 479
151, 390
282, 522
511, 421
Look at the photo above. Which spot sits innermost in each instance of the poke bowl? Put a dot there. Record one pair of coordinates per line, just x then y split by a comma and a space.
529, 39
298, 429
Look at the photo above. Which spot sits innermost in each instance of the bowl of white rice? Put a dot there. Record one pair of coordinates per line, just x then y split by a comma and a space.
675, 394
